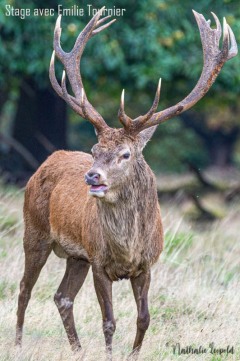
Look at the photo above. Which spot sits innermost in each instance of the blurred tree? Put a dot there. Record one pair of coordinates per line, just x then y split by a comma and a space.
172, 49
153, 38
39, 123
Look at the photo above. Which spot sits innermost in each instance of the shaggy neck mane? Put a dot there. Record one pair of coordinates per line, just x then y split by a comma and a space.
140, 186
126, 219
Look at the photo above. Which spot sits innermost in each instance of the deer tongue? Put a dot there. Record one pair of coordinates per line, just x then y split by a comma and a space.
98, 188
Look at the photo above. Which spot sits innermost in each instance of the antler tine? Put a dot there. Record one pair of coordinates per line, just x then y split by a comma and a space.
144, 118
226, 39
102, 27
57, 37
229, 41
72, 67
85, 34
213, 60
52, 76
218, 30
100, 21
130, 124
75, 106
124, 119
71, 62
55, 84
233, 49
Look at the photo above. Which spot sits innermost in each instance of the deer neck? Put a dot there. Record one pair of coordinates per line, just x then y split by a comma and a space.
125, 220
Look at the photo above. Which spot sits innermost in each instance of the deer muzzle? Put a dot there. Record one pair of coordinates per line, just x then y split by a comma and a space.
98, 188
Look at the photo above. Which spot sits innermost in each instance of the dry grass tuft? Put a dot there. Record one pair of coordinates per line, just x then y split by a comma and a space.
194, 297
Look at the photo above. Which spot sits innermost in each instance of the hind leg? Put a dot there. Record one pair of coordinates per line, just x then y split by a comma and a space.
140, 286
36, 254
76, 272
103, 288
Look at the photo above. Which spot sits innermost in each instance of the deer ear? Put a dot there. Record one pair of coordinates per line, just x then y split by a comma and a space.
145, 135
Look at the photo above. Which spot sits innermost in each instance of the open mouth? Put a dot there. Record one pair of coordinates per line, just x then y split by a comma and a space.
98, 189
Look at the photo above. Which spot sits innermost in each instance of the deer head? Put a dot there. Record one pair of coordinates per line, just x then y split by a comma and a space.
119, 150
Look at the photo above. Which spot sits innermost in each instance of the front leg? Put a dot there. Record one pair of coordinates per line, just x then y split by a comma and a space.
140, 286
103, 287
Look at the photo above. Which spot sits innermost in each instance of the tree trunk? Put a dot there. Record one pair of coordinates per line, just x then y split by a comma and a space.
40, 121
218, 142
221, 146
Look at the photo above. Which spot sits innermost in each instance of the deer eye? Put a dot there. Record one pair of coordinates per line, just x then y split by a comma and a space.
126, 155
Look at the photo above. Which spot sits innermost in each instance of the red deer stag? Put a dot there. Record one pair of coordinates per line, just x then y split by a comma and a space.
102, 210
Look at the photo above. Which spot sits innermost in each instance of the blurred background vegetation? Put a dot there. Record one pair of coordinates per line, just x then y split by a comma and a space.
153, 39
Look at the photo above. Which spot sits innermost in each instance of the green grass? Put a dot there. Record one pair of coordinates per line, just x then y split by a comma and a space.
193, 300
177, 242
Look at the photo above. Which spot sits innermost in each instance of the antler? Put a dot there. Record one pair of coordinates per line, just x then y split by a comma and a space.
214, 59
71, 62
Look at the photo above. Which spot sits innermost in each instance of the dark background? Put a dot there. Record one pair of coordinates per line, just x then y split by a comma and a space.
153, 39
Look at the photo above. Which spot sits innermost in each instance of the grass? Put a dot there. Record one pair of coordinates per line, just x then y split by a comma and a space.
194, 296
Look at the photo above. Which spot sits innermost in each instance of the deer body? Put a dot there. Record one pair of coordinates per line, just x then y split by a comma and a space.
125, 237
102, 210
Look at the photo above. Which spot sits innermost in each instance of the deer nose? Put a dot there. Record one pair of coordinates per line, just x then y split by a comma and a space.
92, 178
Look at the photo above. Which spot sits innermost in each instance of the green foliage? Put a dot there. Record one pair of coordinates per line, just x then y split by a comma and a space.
172, 146
154, 38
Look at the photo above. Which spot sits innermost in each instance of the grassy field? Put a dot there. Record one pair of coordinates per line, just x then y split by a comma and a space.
194, 296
